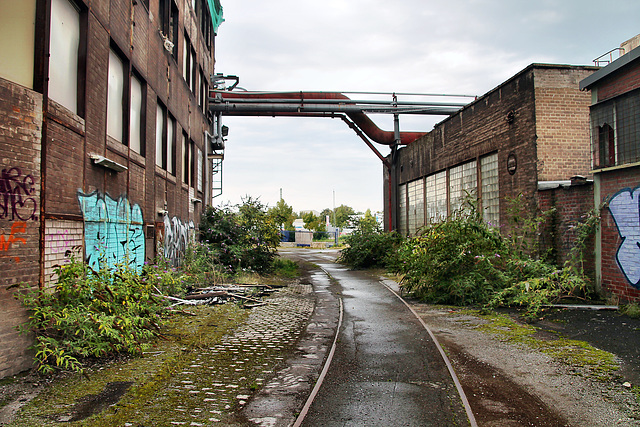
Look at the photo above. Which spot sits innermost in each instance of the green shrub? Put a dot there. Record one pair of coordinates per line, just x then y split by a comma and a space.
368, 247
458, 261
90, 314
244, 238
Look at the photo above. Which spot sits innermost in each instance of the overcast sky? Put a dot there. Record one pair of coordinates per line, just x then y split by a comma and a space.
418, 46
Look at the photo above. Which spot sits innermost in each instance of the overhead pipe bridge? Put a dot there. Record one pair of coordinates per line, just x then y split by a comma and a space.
227, 102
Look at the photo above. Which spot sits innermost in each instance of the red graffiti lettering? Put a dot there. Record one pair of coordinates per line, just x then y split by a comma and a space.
5, 243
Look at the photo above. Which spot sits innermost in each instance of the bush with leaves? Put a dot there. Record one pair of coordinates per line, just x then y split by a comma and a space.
458, 261
244, 238
91, 314
369, 247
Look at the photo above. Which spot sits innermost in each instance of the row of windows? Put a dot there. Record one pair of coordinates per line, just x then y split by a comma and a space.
126, 94
66, 47
435, 197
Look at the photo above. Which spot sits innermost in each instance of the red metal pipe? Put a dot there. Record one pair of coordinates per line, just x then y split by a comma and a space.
360, 119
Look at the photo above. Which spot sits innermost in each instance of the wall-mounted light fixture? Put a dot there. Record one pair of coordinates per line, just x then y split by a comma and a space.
106, 163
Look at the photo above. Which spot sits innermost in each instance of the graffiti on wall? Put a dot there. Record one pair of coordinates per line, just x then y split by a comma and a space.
625, 210
17, 201
176, 239
17, 227
112, 231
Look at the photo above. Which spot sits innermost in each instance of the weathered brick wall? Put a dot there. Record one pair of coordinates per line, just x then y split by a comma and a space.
618, 83
20, 130
538, 116
501, 121
620, 231
560, 232
68, 172
562, 123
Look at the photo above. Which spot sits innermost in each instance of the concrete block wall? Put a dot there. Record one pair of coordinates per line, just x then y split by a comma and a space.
20, 154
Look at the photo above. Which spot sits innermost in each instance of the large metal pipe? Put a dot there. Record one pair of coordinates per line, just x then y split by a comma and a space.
297, 103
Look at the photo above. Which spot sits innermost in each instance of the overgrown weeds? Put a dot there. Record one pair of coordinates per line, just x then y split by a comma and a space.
92, 314
465, 261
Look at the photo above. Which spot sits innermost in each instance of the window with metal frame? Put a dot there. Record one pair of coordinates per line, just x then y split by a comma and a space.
436, 196
415, 193
463, 183
615, 131
64, 48
402, 209
490, 196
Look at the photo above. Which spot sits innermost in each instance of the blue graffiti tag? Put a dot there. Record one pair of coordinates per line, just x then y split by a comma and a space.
625, 210
112, 231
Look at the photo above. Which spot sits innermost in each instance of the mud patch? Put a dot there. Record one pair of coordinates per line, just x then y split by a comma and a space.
96, 403
495, 399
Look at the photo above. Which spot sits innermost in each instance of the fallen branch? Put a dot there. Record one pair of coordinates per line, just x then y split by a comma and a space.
251, 299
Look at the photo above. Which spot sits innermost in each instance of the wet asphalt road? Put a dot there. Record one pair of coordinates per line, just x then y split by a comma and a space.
386, 370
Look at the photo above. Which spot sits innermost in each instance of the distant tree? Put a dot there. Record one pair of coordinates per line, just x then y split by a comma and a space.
343, 215
368, 223
311, 222
282, 213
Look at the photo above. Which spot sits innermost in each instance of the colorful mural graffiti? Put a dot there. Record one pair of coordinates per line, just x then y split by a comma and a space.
16, 191
625, 210
112, 231
176, 239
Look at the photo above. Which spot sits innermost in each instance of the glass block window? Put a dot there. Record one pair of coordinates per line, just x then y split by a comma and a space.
402, 209
436, 188
415, 192
463, 182
490, 191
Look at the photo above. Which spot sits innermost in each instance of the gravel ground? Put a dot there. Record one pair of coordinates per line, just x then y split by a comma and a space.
514, 384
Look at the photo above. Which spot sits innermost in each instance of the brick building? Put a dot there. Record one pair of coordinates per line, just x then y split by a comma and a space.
103, 137
529, 136
615, 148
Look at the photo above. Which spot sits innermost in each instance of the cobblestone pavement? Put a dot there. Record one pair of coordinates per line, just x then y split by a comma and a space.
222, 378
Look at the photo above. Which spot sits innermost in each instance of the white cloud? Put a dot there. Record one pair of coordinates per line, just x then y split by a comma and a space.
453, 46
